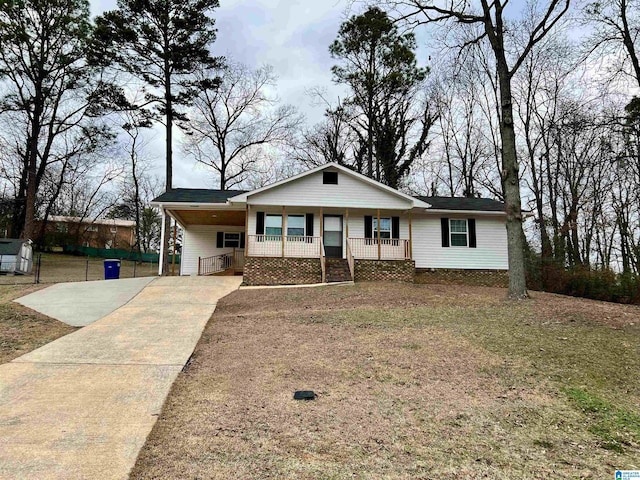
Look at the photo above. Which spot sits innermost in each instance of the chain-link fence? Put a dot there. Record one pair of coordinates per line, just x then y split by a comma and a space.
55, 268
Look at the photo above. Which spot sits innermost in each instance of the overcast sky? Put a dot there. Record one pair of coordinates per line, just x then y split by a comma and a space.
291, 35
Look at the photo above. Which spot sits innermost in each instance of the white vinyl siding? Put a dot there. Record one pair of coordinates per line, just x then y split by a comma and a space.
200, 241
490, 253
350, 192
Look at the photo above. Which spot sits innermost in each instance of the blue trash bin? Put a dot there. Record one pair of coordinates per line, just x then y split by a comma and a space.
111, 269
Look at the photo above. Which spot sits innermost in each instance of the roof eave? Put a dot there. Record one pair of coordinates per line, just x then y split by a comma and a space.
473, 212
195, 206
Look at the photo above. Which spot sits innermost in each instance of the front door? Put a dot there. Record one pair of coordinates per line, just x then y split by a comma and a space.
332, 236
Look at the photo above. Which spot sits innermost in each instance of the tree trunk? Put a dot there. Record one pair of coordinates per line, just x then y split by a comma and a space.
511, 186
28, 230
169, 156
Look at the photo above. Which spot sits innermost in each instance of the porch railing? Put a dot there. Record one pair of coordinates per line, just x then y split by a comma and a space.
384, 249
284, 246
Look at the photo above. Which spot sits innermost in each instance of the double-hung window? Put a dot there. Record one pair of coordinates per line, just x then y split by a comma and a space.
295, 225
459, 233
385, 227
232, 240
273, 225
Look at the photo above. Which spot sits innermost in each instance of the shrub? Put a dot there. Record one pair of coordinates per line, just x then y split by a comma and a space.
602, 284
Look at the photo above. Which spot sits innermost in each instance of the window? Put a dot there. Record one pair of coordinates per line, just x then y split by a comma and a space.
92, 228
273, 225
295, 225
385, 227
458, 231
114, 229
232, 240
330, 178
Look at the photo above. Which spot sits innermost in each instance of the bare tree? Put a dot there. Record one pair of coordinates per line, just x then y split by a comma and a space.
616, 28
491, 17
48, 96
236, 120
332, 140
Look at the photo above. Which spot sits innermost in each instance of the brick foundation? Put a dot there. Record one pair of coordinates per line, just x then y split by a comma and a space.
447, 276
384, 270
281, 271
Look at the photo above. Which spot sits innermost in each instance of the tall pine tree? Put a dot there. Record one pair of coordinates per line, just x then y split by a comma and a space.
163, 43
379, 66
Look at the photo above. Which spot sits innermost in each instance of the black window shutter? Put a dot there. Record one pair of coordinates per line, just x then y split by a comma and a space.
395, 227
220, 240
368, 226
309, 221
472, 232
242, 237
445, 231
259, 223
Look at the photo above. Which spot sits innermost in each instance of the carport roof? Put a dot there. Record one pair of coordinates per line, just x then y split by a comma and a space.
197, 195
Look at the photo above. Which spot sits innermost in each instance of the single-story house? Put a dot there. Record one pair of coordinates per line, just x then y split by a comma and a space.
16, 256
333, 224
88, 232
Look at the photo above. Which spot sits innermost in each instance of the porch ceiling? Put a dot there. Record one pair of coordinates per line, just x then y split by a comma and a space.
211, 217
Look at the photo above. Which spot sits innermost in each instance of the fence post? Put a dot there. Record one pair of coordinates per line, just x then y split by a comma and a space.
86, 270
38, 266
135, 265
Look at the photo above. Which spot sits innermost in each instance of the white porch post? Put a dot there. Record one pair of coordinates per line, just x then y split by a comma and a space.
164, 219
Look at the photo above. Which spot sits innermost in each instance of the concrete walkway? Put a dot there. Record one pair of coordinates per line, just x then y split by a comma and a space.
81, 303
82, 406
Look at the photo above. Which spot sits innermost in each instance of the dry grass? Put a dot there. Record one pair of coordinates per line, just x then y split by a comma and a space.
57, 267
413, 381
22, 329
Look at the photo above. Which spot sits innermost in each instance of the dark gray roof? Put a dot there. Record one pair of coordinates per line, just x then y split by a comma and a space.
459, 203
197, 195
10, 246
203, 195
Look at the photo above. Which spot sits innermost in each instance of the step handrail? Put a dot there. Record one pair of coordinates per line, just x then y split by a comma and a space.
215, 263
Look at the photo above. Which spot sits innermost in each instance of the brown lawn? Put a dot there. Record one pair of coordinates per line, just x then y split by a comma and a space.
22, 329
413, 382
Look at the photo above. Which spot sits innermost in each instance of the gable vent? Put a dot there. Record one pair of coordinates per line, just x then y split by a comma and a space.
330, 178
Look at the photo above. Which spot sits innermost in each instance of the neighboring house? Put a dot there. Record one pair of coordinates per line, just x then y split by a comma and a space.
332, 224
86, 232
16, 256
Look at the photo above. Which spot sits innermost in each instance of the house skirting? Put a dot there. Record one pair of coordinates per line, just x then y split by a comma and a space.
450, 276
384, 270
281, 271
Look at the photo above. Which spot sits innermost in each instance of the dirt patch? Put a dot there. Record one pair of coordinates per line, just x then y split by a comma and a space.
22, 329
413, 382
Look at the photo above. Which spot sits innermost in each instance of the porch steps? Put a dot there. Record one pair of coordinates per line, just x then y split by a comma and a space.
337, 270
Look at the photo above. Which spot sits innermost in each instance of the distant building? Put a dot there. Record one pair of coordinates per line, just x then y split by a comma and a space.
98, 233
16, 256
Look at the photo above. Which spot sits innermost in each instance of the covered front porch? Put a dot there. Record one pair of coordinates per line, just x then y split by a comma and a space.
219, 241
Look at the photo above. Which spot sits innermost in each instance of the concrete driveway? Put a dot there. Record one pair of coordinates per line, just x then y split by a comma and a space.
81, 303
82, 406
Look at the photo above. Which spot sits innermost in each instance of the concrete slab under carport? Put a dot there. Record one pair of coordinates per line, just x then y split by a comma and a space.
81, 303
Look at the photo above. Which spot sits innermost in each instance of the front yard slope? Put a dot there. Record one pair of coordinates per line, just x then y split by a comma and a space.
413, 382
